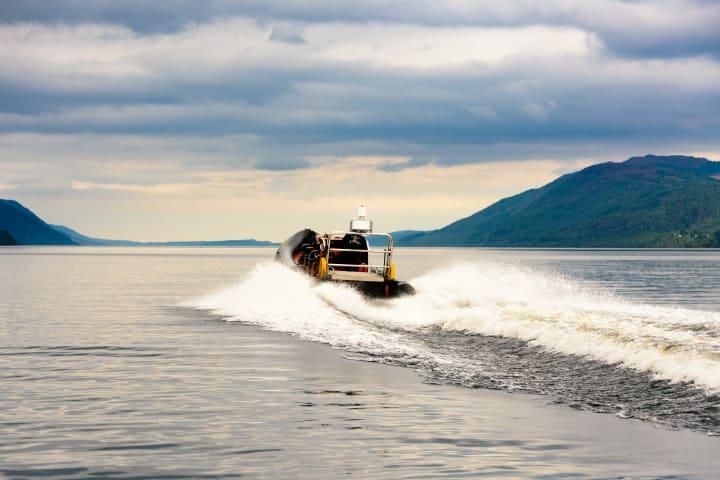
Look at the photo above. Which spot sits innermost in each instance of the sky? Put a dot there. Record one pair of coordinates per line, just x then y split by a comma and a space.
222, 119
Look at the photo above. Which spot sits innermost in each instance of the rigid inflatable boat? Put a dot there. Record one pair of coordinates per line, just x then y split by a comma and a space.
358, 257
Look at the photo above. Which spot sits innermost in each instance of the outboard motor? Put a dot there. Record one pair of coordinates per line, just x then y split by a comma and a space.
288, 248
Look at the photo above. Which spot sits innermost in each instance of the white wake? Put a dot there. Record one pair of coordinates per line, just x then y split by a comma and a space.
490, 299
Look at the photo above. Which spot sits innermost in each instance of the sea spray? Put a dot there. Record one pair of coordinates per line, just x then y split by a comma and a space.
492, 299
277, 298
560, 315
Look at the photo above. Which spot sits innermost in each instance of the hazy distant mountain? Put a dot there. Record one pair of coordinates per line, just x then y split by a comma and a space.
81, 239
650, 201
26, 227
6, 238
18, 225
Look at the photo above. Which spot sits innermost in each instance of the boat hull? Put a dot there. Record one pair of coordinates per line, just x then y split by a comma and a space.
390, 289
286, 254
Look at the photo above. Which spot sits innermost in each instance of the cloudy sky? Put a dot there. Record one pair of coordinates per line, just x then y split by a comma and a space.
232, 119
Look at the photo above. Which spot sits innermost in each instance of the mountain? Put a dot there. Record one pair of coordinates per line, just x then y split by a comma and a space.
6, 238
26, 227
81, 239
18, 225
649, 201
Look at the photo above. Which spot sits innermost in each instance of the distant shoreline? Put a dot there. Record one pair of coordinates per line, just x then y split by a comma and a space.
149, 245
275, 245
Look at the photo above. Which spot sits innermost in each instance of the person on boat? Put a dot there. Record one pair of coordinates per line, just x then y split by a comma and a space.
350, 242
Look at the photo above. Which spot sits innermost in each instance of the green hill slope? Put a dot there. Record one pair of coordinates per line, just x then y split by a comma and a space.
26, 227
648, 201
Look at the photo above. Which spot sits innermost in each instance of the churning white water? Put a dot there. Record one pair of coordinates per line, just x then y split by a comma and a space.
491, 299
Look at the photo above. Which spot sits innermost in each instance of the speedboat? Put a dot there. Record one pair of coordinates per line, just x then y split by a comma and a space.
358, 257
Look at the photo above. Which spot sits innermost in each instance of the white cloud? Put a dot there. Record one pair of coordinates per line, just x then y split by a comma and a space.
78, 57
432, 47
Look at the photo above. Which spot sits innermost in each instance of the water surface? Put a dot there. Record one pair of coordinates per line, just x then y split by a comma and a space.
193, 363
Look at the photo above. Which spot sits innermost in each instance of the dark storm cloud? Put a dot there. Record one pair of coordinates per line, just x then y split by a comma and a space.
45, 96
386, 106
139, 15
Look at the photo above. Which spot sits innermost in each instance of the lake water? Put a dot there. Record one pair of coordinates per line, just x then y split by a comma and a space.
124, 363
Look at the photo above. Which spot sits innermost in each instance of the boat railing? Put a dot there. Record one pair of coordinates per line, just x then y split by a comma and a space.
383, 254
355, 265
371, 250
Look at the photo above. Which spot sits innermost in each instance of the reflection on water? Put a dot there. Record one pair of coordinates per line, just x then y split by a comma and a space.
103, 375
